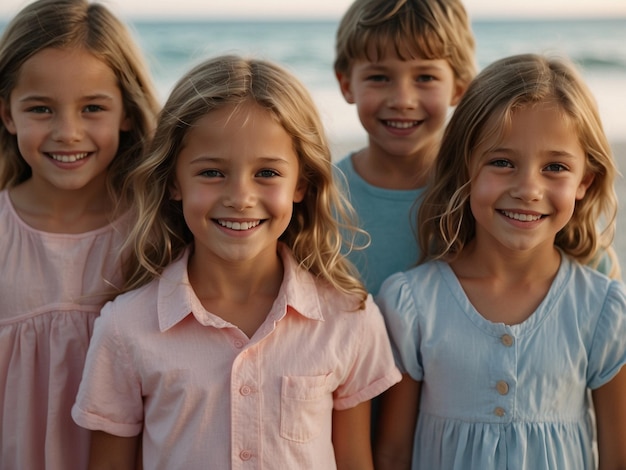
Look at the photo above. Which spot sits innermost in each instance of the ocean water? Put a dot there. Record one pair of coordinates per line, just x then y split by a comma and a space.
307, 49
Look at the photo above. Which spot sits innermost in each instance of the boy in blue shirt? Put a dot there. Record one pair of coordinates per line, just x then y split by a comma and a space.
404, 64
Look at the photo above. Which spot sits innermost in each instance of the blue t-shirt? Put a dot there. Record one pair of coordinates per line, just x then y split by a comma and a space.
388, 215
505, 396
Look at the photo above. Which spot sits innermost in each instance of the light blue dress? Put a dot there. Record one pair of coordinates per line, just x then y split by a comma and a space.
388, 215
495, 396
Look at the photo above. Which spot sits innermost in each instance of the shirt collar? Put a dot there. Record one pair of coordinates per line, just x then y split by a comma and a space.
176, 298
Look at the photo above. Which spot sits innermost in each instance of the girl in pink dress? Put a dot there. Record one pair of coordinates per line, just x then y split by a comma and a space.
76, 106
248, 341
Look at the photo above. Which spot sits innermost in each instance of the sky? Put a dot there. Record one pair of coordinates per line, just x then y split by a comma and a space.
332, 9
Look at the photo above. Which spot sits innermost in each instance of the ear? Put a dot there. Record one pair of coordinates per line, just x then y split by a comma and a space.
126, 124
175, 192
584, 185
345, 86
458, 92
7, 120
300, 192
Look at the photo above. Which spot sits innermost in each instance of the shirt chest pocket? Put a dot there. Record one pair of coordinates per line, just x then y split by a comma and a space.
306, 405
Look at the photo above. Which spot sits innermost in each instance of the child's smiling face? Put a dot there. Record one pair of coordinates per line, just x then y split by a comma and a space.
525, 187
402, 104
67, 112
238, 177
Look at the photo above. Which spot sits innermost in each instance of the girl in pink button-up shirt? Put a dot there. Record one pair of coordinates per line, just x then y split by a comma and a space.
245, 340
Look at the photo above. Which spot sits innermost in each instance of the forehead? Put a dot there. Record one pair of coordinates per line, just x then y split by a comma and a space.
390, 59
239, 132
61, 71
532, 127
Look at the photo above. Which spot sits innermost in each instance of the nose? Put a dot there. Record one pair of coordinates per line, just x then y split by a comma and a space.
67, 127
527, 186
239, 193
403, 95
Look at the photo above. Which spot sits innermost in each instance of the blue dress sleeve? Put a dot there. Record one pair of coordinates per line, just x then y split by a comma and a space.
607, 354
397, 303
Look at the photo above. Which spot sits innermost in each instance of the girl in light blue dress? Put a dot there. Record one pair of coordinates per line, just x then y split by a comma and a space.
505, 325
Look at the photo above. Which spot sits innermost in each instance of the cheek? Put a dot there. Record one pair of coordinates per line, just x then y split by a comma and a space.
280, 202
481, 191
484, 196
367, 98
566, 198
195, 201
28, 138
476, 206
437, 103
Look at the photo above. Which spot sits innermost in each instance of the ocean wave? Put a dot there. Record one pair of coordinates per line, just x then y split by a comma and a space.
600, 63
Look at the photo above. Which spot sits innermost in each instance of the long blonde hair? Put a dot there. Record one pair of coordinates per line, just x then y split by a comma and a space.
445, 221
161, 234
70, 24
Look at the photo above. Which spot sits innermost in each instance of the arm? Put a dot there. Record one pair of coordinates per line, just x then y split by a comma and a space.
351, 438
610, 407
109, 452
399, 406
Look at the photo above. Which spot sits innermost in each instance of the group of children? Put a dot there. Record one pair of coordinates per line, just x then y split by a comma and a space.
152, 257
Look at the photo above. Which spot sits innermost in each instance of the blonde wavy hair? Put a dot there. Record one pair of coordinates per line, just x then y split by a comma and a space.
160, 234
445, 221
71, 24
425, 29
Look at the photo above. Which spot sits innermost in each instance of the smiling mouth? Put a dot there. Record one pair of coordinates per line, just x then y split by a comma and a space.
239, 225
68, 158
402, 124
521, 217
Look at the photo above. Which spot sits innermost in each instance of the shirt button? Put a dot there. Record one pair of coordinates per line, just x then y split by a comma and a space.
238, 344
499, 412
245, 455
502, 387
507, 340
245, 390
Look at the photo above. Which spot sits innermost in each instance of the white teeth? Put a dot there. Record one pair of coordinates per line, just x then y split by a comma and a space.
401, 124
521, 217
68, 158
238, 225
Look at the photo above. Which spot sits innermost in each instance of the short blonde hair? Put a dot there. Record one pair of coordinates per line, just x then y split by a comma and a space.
68, 24
445, 221
314, 234
427, 29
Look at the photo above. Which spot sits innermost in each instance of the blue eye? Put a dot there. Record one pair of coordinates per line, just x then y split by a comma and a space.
39, 110
500, 163
210, 173
93, 108
376, 78
556, 167
267, 173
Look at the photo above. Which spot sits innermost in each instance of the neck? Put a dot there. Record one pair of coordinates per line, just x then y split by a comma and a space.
241, 293
394, 171
508, 266
62, 211
239, 282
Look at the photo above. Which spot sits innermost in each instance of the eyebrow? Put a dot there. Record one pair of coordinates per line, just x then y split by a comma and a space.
94, 97
419, 67
551, 153
209, 159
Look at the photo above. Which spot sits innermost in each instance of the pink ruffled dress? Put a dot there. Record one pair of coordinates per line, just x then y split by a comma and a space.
52, 287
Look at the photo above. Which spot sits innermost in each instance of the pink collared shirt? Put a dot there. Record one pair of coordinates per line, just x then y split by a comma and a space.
204, 395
